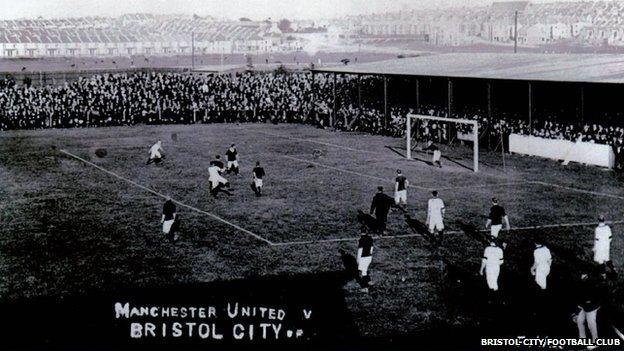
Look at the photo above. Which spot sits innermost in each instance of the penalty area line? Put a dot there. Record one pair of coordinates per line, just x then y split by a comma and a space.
235, 226
350, 172
577, 190
453, 232
409, 186
324, 143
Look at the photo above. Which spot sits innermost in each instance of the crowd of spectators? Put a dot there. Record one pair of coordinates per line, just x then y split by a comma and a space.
124, 99
277, 97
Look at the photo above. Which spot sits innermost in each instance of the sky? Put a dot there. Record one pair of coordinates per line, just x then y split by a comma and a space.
254, 9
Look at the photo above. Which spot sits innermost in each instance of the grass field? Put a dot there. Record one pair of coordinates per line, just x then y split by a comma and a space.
77, 224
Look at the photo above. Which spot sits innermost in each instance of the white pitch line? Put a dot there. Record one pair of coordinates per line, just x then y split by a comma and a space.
350, 172
482, 185
575, 189
459, 187
165, 197
390, 181
454, 232
325, 144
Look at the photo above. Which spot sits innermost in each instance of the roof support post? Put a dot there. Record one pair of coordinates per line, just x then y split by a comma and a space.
449, 106
417, 96
359, 89
385, 86
332, 116
530, 107
312, 100
582, 104
489, 100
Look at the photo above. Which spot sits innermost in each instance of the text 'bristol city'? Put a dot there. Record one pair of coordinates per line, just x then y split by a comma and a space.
228, 322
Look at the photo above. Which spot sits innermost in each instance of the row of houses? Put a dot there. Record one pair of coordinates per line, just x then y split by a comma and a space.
586, 23
257, 45
143, 36
538, 34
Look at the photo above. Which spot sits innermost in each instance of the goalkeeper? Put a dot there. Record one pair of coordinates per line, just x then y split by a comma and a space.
437, 154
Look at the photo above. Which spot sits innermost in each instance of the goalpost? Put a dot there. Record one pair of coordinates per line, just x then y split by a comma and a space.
472, 134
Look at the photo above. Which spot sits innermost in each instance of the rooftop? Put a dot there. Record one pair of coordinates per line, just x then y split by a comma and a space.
590, 68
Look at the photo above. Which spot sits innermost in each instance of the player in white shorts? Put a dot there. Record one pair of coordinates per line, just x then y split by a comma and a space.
400, 188
364, 259
258, 174
496, 218
168, 216
542, 260
437, 154
156, 153
435, 214
602, 245
232, 160
491, 262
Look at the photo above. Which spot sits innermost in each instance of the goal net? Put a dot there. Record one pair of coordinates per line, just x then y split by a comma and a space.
424, 130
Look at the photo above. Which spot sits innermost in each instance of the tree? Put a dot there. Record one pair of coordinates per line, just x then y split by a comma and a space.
284, 25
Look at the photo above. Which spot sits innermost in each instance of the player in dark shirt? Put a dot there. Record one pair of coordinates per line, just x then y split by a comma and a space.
400, 188
496, 218
590, 295
258, 174
364, 259
380, 207
437, 154
232, 160
169, 210
217, 162
168, 219
400, 179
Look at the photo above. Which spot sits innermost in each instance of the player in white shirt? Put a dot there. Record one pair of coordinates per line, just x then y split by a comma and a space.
602, 245
156, 153
217, 181
542, 259
400, 188
435, 214
491, 262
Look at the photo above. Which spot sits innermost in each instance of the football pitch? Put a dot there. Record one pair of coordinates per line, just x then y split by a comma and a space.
74, 223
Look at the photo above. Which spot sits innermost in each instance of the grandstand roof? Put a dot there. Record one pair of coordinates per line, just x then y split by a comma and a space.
219, 68
591, 68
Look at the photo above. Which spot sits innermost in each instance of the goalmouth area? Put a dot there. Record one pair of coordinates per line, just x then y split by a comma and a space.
104, 216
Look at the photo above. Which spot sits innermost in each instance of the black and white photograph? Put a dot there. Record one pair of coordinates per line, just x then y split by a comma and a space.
349, 175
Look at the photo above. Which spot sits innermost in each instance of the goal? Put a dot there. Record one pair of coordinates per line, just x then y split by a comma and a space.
421, 128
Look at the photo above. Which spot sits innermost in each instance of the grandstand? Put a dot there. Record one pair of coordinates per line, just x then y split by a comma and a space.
525, 85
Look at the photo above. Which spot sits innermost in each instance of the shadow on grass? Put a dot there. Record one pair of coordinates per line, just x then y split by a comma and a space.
448, 158
520, 308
